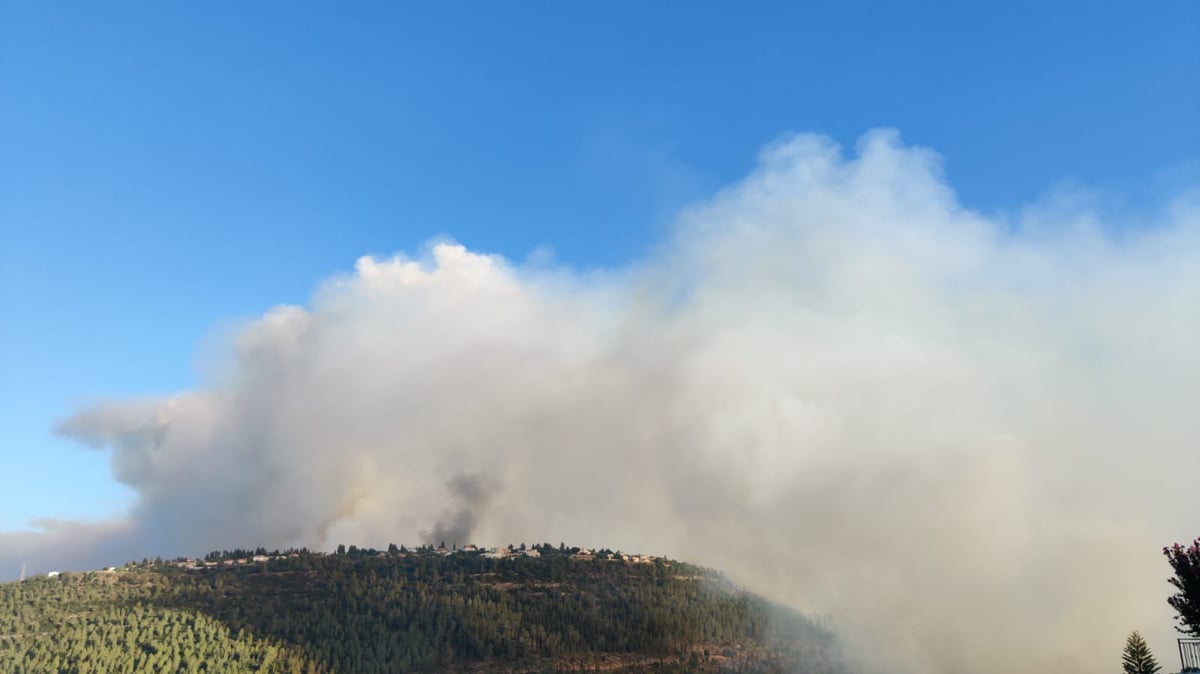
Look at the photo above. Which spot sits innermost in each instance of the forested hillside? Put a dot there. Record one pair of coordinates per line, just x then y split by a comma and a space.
402, 611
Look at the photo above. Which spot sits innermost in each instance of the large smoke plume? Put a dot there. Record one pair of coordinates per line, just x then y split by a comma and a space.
964, 438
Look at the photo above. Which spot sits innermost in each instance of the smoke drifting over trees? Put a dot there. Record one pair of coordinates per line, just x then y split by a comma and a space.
832, 382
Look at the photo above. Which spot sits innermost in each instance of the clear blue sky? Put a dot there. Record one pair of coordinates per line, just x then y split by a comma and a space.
165, 167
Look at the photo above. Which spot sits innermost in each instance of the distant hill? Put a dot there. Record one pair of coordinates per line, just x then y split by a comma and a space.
555, 609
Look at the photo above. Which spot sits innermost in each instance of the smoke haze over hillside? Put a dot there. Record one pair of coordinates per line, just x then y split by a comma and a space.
963, 438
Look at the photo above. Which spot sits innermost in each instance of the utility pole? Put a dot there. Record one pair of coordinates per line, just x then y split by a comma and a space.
22, 572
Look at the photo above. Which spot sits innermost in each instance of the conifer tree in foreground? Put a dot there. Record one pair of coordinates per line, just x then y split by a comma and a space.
1138, 659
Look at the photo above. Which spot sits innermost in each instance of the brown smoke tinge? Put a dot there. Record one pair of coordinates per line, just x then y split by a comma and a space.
964, 438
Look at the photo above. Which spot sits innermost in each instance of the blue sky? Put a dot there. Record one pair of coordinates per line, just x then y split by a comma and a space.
165, 169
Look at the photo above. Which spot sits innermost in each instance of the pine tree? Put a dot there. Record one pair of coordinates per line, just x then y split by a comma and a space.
1138, 659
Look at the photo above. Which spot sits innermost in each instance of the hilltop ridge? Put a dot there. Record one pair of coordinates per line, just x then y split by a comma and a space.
526, 609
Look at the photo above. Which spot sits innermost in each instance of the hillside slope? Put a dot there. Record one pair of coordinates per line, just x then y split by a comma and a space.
366, 612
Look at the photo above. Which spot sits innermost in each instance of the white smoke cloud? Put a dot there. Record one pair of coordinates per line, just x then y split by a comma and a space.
964, 438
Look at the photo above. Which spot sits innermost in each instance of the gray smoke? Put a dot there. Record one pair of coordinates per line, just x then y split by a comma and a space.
468, 496
963, 437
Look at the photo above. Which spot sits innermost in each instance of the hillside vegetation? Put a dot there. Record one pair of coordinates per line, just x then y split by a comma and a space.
402, 611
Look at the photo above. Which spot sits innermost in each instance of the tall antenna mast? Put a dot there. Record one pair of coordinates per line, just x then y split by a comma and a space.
22, 572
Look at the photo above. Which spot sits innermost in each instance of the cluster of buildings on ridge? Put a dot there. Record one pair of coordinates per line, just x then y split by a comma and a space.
581, 555
510, 552
198, 564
